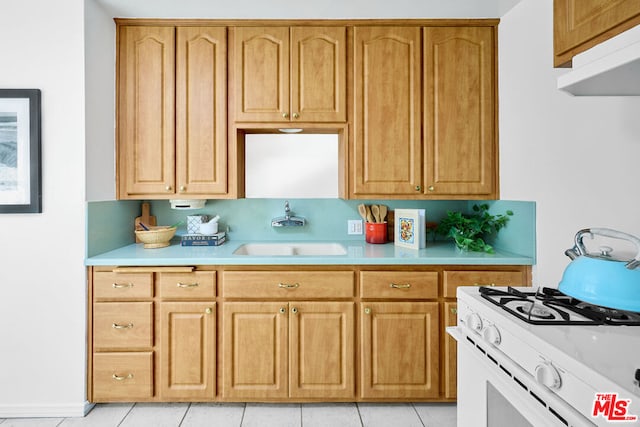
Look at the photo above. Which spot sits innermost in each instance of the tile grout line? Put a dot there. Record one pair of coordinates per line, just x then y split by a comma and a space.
126, 415
418, 414
184, 415
359, 414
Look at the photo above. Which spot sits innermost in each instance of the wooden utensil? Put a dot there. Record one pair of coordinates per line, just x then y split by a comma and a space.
146, 218
369, 215
363, 211
375, 211
383, 213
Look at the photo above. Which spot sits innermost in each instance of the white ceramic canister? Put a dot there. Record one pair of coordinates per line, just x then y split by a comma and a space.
194, 222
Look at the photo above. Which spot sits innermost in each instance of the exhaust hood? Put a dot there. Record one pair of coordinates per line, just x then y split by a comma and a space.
611, 68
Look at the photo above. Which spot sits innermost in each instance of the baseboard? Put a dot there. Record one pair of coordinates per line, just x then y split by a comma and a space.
45, 410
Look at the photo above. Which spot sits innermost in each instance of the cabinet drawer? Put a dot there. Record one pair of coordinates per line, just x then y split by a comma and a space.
399, 284
196, 285
119, 325
453, 279
108, 285
122, 376
288, 284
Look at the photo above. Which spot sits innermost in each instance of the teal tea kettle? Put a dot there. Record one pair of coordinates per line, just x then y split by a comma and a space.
602, 278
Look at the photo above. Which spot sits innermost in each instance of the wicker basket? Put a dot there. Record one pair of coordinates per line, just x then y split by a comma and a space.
156, 237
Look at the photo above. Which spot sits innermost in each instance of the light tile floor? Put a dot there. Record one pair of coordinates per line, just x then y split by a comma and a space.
254, 414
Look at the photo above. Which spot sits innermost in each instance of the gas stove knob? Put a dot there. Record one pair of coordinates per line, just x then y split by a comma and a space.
548, 376
491, 335
474, 322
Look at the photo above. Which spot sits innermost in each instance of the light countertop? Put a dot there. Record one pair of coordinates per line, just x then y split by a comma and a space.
358, 253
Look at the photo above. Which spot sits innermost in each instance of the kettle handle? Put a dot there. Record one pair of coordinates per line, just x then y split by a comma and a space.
606, 232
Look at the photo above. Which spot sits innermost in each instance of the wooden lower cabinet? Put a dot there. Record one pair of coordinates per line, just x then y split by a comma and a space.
399, 345
270, 333
288, 349
187, 351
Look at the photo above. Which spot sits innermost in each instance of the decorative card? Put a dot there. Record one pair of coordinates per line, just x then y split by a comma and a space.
410, 231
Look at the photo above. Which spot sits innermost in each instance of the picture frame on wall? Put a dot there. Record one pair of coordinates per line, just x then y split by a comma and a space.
20, 151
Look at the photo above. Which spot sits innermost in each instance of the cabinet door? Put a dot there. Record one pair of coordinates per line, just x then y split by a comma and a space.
261, 78
581, 24
387, 147
400, 350
187, 350
201, 106
321, 350
146, 111
450, 352
459, 116
254, 354
318, 74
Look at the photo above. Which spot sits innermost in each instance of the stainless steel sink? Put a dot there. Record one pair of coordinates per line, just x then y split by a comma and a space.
291, 249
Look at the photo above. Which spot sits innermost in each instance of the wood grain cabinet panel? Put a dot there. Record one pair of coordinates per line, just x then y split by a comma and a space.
122, 377
399, 284
288, 284
122, 325
187, 351
581, 24
254, 355
181, 286
172, 120
146, 110
450, 352
459, 112
285, 74
387, 148
108, 285
400, 350
452, 279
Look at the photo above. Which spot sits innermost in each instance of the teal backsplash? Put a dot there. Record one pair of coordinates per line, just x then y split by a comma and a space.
110, 223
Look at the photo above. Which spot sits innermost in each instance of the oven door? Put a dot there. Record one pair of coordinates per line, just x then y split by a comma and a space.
493, 391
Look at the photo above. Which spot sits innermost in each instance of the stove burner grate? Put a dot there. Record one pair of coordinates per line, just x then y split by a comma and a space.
548, 306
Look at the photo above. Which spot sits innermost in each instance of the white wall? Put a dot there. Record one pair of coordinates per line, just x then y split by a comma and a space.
577, 157
100, 103
42, 285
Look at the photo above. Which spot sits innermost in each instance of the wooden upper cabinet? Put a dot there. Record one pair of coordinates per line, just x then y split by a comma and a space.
172, 124
201, 110
285, 74
581, 24
459, 112
387, 147
146, 111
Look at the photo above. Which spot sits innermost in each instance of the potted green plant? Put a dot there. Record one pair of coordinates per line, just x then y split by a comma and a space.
469, 231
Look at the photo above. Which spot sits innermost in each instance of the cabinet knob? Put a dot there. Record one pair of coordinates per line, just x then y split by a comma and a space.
294, 310
431, 188
454, 310
167, 188
285, 115
367, 310
418, 188
208, 310
183, 188
296, 115
282, 310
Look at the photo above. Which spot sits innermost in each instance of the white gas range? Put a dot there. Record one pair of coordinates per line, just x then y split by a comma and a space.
535, 357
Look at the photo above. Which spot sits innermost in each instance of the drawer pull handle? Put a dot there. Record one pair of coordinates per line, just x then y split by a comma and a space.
122, 285
121, 377
484, 284
127, 326
400, 286
288, 285
187, 285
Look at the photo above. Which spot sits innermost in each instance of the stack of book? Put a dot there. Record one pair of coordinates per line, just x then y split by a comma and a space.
203, 239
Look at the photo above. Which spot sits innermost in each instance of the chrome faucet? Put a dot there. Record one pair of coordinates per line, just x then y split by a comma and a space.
287, 220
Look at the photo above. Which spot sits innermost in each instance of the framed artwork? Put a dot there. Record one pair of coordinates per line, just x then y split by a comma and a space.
20, 166
410, 231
